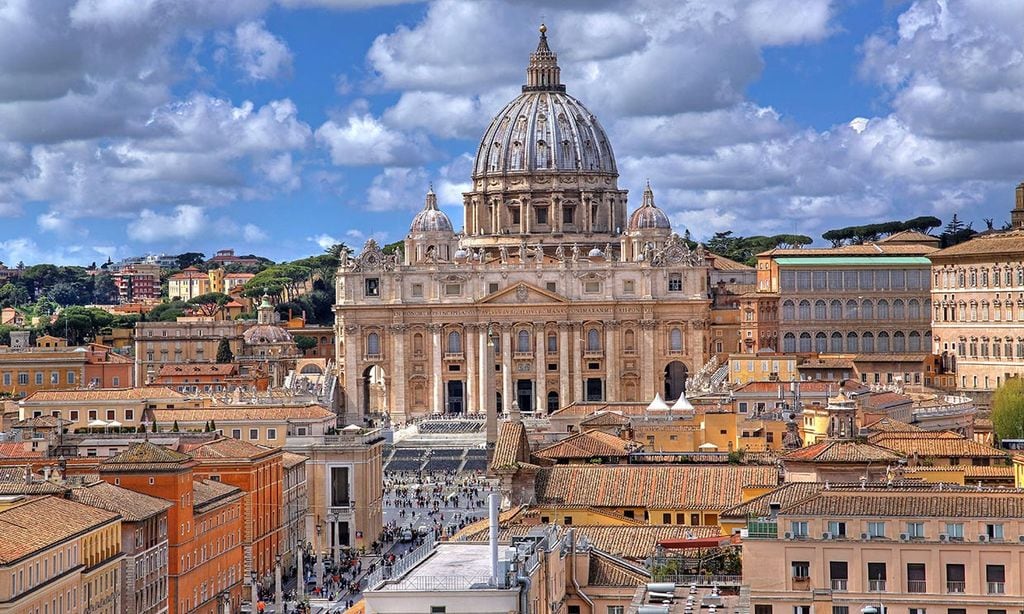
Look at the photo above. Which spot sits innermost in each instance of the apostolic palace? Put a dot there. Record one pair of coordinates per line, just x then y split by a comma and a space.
578, 299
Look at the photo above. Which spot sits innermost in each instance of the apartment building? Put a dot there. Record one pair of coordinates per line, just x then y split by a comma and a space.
915, 549
137, 283
270, 425
121, 407
296, 501
196, 340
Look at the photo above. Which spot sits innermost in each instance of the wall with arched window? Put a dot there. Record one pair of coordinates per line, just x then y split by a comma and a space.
675, 340
454, 342
593, 340
788, 310
523, 341
373, 344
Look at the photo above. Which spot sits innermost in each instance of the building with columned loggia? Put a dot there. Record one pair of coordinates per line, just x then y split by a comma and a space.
577, 300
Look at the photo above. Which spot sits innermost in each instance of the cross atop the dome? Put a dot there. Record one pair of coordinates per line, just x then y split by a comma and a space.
543, 73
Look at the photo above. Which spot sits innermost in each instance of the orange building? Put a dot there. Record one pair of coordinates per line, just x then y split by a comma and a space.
105, 368
259, 472
205, 557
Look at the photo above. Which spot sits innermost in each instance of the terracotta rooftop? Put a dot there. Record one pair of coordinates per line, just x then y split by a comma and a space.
996, 244
912, 503
605, 419
806, 387
43, 522
104, 394
987, 472
910, 236
208, 494
939, 447
905, 357
132, 506
243, 413
197, 369
290, 460
512, 450
892, 425
883, 400
606, 570
697, 487
784, 495
912, 434
721, 263
38, 422
587, 409
826, 363
16, 449
227, 448
867, 249
837, 451
145, 456
586, 445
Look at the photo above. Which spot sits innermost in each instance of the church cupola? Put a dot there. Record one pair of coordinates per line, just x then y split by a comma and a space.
543, 74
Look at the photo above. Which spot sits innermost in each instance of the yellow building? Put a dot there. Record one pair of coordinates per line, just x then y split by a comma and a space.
188, 284
762, 367
57, 555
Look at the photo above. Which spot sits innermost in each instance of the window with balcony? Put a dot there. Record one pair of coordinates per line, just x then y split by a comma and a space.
995, 579
916, 578
955, 578
523, 341
675, 341
373, 344
593, 340
838, 572
801, 570
454, 342
876, 577
339, 486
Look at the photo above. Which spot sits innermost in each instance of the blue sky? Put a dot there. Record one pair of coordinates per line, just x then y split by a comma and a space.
278, 127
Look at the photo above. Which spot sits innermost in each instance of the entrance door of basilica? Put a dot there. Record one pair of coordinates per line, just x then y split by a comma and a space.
524, 394
454, 402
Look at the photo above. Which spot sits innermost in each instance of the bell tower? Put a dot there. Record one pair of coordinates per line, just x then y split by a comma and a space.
1017, 214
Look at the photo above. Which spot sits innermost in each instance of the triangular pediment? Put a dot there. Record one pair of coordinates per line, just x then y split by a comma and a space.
523, 292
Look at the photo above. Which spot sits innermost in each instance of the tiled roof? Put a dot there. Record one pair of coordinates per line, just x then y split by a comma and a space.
993, 244
836, 451
912, 434
989, 472
104, 394
910, 235
867, 249
939, 447
850, 386
826, 363
244, 413
44, 522
133, 506
16, 449
207, 494
39, 422
604, 419
923, 503
905, 357
883, 400
229, 447
892, 425
721, 263
512, 448
606, 570
784, 495
587, 409
204, 368
143, 456
290, 460
704, 487
39, 486
585, 445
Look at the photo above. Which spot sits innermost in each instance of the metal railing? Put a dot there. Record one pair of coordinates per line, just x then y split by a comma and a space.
401, 567
839, 584
439, 583
955, 586
917, 586
762, 529
876, 586
700, 579
996, 588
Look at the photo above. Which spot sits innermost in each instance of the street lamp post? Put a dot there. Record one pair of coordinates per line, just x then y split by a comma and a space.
300, 576
278, 586
319, 562
255, 590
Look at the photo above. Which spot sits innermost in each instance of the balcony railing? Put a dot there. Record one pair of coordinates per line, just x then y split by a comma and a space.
801, 583
876, 586
955, 586
593, 353
762, 529
996, 588
454, 356
522, 355
839, 584
917, 586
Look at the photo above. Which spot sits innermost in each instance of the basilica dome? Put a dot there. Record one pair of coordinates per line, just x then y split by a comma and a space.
430, 219
544, 129
648, 216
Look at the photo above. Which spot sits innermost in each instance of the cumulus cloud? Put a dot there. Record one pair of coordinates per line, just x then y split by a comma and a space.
27, 250
325, 241
362, 140
252, 233
261, 55
184, 222
397, 189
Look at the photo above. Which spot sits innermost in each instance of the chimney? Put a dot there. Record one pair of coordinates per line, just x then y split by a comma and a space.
773, 510
493, 500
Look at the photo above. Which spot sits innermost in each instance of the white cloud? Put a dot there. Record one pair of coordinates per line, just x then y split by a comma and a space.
325, 241
397, 189
27, 250
362, 140
51, 221
252, 233
185, 222
261, 55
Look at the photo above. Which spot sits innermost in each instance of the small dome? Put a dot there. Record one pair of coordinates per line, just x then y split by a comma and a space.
596, 253
263, 334
648, 216
431, 219
461, 254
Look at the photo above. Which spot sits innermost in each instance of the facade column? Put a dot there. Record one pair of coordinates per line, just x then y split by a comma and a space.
577, 362
525, 211
485, 371
648, 376
353, 404
612, 361
564, 389
506, 368
469, 345
438, 366
540, 388
397, 374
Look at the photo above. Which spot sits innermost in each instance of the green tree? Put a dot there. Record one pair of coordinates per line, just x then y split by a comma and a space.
166, 312
13, 295
104, 292
1008, 409
190, 259
175, 429
224, 354
305, 343
210, 303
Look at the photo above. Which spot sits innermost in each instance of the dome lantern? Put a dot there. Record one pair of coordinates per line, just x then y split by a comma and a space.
543, 73
648, 216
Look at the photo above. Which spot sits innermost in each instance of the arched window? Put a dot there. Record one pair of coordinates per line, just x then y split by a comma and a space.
789, 343
454, 342
629, 340
552, 401
899, 342
820, 343
915, 342
836, 343
883, 341
852, 343
898, 312
523, 341
835, 310
820, 310
914, 309
805, 310
882, 313
675, 340
867, 310
417, 344
788, 310
552, 343
851, 309
593, 340
867, 342
805, 342
373, 344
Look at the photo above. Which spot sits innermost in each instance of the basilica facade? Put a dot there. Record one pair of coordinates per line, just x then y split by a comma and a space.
550, 294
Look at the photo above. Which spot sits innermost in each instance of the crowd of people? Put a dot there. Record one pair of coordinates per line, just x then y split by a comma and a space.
429, 499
